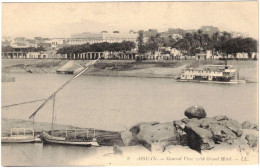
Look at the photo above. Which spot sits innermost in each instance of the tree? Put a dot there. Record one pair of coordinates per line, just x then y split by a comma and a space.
183, 45
239, 45
140, 42
7, 49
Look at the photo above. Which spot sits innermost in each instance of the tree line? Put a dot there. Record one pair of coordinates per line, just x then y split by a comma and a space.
28, 49
124, 46
193, 43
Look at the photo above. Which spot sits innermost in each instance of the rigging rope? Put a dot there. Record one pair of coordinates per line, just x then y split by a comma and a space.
53, 94
16, 104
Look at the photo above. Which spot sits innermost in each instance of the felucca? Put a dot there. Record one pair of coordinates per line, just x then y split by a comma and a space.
51, 139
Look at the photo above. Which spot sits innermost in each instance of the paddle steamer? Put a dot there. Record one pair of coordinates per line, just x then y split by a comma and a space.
211, 74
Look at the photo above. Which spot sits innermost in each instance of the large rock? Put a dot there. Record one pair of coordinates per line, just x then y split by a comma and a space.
249, 125
252, 140
128, 139
193, 122
148, 133
136, 129
181, 134
247, 140
251, 136
221, 133
199, 138
220, 117
205, 122
233, 125
195, 112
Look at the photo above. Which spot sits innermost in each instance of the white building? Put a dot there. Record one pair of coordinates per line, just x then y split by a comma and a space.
55, 42
83, 38
242, 55
254, 55
175, 52
176, 36
37, 55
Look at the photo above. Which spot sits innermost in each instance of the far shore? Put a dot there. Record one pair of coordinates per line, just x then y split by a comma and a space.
127, 68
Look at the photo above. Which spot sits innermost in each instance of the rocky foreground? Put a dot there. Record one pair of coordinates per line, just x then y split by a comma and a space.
197, 132
196, 139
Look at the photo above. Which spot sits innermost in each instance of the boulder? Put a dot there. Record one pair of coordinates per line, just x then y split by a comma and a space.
157, 133
181, 135
207, 144
221, 133
249, 125
205, 122
248, 137
195, 112
194, 122
231, 123
135, 129
148, 133
220, 117
199, 138
179, 124
238, 132
249, 131
128, 139
252, 140
185, 120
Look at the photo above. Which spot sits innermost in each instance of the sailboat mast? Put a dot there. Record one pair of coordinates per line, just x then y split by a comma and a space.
57, 91
52, 123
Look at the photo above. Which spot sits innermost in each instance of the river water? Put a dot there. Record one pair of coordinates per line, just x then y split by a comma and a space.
117, 103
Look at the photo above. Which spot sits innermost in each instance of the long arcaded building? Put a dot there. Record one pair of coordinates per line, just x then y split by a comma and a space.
104, 36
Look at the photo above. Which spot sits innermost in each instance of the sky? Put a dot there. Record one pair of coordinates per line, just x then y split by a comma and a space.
60, 20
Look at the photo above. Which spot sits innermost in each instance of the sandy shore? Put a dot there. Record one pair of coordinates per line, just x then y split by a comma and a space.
127, 68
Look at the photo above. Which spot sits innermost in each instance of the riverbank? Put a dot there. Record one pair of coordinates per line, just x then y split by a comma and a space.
127, 68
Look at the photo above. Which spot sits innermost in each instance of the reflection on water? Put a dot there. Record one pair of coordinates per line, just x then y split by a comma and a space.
44, 155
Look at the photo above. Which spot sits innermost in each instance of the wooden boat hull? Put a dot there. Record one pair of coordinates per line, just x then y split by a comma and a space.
19, 140
46, 138
206, 81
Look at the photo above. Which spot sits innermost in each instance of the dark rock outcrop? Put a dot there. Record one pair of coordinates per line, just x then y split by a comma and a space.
195, 112
203, 133
197, 132
221, 133
199, 138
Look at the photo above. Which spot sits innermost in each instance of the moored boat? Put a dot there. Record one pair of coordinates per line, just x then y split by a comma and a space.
46, 138
211, 74
51, 139
27, 136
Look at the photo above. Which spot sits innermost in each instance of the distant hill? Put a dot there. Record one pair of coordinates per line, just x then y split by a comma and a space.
209, 29
205, 29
